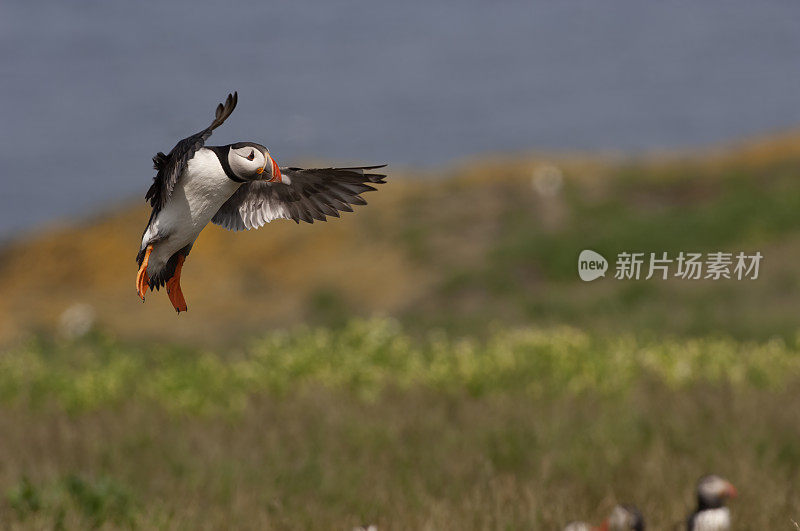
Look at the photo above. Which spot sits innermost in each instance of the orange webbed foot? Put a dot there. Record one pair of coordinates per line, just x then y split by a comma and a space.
174, 288
142, 280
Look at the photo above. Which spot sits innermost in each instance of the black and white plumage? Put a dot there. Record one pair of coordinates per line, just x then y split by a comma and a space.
237, 186
170, 167
711, 513
310, 194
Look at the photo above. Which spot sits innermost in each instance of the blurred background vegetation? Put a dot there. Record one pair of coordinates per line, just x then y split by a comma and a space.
431, 361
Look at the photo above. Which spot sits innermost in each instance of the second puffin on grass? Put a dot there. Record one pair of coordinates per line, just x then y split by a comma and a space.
711, 513
237, 186
622, 518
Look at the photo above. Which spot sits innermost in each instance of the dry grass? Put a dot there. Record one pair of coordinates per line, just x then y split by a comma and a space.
412, 460
330, 429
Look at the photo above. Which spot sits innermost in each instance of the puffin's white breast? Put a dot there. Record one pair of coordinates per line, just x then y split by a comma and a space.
713, 520
199, 193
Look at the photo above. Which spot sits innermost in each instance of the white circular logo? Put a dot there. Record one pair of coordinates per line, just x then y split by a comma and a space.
591, 265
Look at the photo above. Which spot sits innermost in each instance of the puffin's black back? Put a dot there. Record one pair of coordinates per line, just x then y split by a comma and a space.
171, 166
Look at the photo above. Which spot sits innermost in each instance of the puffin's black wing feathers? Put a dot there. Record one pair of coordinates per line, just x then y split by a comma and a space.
171, 166
307, 195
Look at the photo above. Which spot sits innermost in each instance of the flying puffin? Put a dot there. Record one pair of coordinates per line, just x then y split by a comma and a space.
622, 518
711, 513
237, 186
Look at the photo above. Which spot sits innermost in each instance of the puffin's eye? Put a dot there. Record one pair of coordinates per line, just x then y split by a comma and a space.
251, 156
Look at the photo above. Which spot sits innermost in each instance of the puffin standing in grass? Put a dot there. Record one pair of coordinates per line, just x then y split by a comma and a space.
622, 518
237, 186
711, 513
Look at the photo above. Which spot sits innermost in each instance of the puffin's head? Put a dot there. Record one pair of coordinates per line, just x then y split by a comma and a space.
252, 162
713, 491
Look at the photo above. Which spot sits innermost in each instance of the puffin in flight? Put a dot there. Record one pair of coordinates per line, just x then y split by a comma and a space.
237, 186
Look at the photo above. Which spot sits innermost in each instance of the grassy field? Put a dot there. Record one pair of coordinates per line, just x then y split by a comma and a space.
429, 362
330, 428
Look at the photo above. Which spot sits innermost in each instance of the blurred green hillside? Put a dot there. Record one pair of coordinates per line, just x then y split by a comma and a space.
492, 241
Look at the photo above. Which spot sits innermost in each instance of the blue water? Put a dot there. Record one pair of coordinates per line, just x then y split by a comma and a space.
90, 90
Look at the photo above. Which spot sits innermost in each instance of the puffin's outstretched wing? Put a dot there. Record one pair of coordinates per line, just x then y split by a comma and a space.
305, 195
171, 166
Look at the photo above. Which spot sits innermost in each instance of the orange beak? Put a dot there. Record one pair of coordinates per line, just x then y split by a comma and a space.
276, 172
732, 491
